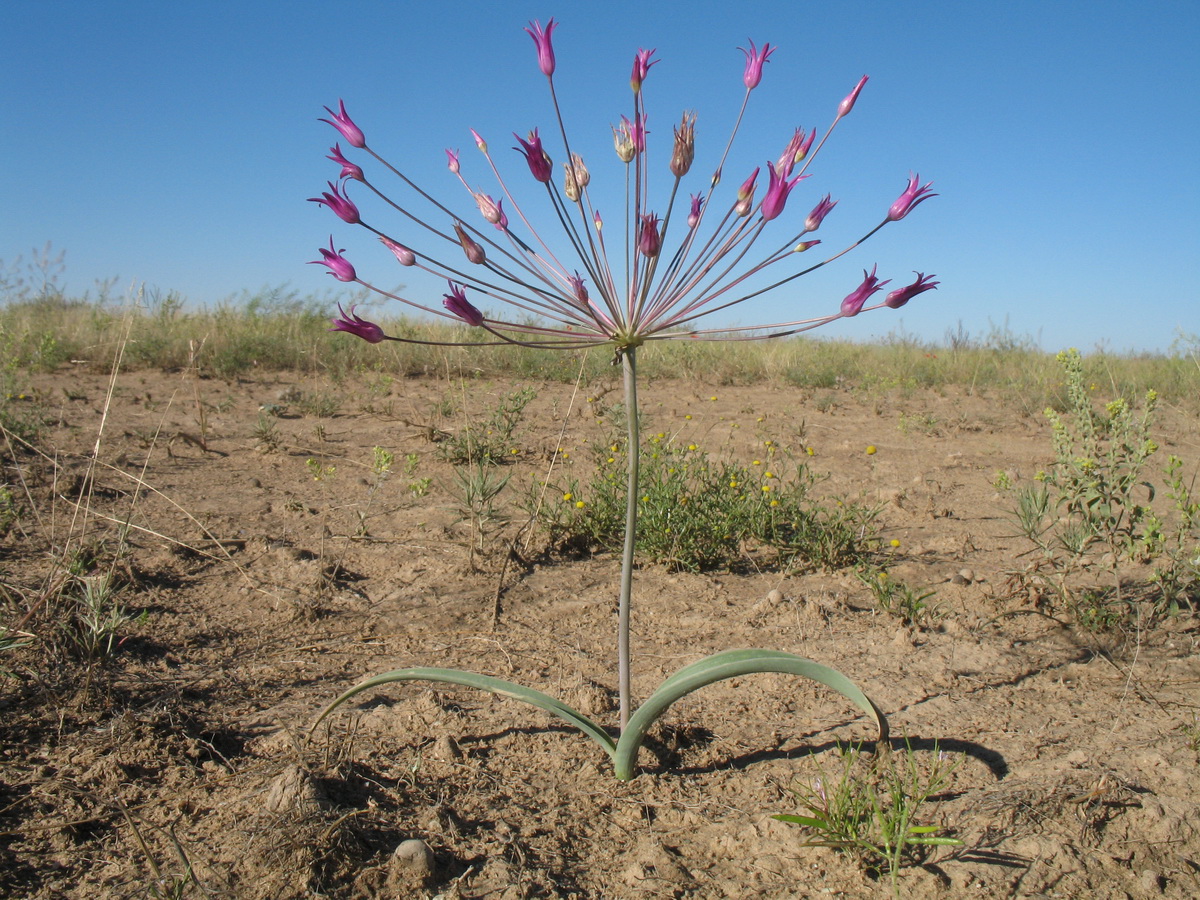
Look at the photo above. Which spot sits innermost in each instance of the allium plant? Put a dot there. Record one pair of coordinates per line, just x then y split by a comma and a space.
680, 261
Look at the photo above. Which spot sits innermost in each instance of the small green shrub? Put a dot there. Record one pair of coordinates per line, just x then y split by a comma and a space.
698, 513
491, 441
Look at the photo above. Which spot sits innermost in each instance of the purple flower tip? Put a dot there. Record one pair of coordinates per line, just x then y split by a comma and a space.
457, 303
754, 63
358, 326
855, 300
339, 203
900, 296
545, 50
351, 132
349, 169
910, 199
339, 266
538, 160
641, 66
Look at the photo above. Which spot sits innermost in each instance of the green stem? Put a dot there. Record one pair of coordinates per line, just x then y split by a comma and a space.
633, 451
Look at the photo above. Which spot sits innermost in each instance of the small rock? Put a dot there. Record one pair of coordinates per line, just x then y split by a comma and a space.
447, 748
774, 597
294, 791
414, 859
963, 576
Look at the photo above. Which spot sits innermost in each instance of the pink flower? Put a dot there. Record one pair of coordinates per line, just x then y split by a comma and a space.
848, 103
340, 204
641, 66
635, 131
649, 241
351, 132
694, 212
820, 211
909, 200
456, 301
778, 189
339, 266
545, 50
403, 255
900, 296
349, 169
539, 161
795, 151
579, 289
754, 63
452, 161
854, 301
358, 326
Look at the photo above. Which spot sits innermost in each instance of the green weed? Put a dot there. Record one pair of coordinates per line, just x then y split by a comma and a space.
870, 808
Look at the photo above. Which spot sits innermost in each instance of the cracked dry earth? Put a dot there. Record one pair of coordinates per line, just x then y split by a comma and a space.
259, 600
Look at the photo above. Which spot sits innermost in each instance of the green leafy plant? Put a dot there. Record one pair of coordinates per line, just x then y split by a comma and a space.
898, 599
491, 441
99, 617
1091, 510
479, 486
871, 808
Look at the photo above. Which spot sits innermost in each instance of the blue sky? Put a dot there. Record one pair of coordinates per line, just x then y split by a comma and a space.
175, 144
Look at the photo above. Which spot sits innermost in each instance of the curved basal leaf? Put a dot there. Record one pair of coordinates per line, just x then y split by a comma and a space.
484, 683
731, 664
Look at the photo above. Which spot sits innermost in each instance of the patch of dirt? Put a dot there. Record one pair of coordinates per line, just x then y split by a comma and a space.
263, 585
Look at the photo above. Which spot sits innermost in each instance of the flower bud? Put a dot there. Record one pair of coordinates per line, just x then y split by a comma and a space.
473, 250
848, 103
403, 255
452, 161
694, 214
649, 241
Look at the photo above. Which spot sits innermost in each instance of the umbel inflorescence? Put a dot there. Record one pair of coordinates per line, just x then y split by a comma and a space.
678, 261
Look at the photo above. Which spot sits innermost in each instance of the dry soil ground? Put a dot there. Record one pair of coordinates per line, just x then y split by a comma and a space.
259, 599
